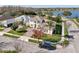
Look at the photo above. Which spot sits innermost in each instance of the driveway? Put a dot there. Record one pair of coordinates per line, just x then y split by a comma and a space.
75, 42
29, 32
5, 31
7, 43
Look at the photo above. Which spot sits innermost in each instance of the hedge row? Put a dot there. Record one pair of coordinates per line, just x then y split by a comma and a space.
34, 41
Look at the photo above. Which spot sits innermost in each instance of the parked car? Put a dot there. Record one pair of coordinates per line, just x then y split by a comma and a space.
70, 36
47, 45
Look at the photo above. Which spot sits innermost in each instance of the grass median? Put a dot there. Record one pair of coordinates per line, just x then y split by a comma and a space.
1, 28
15, 34
11, 35
65, 30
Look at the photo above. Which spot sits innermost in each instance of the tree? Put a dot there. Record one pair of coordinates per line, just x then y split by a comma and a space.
58, 29
58, 19
50, 13
37, 33
14, 26
50, 24
50, 17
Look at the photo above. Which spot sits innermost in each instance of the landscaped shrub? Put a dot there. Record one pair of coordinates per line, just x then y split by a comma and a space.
65, 43
21, 30
14, 26
54, 47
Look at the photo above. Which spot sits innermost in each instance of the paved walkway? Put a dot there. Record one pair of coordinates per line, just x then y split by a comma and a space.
8, 43
26, 38
29, 32
62, 38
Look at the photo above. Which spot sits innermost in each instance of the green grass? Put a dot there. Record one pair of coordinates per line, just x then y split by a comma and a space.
65, 30
1, 28
16, 32
8, 51
52, 38
75, 22
9, 35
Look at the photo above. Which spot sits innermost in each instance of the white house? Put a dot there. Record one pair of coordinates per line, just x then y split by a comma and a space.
34, 22
10, 21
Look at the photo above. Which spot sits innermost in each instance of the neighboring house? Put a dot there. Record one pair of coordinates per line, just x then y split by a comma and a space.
6, 23
10, 21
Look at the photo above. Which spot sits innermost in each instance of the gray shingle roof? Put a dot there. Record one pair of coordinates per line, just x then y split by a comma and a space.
10, 21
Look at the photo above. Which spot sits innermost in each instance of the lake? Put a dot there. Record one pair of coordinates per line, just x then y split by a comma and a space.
75, 13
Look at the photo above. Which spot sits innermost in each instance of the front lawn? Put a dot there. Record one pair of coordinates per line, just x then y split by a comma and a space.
16, 32
52, 38
1, 28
